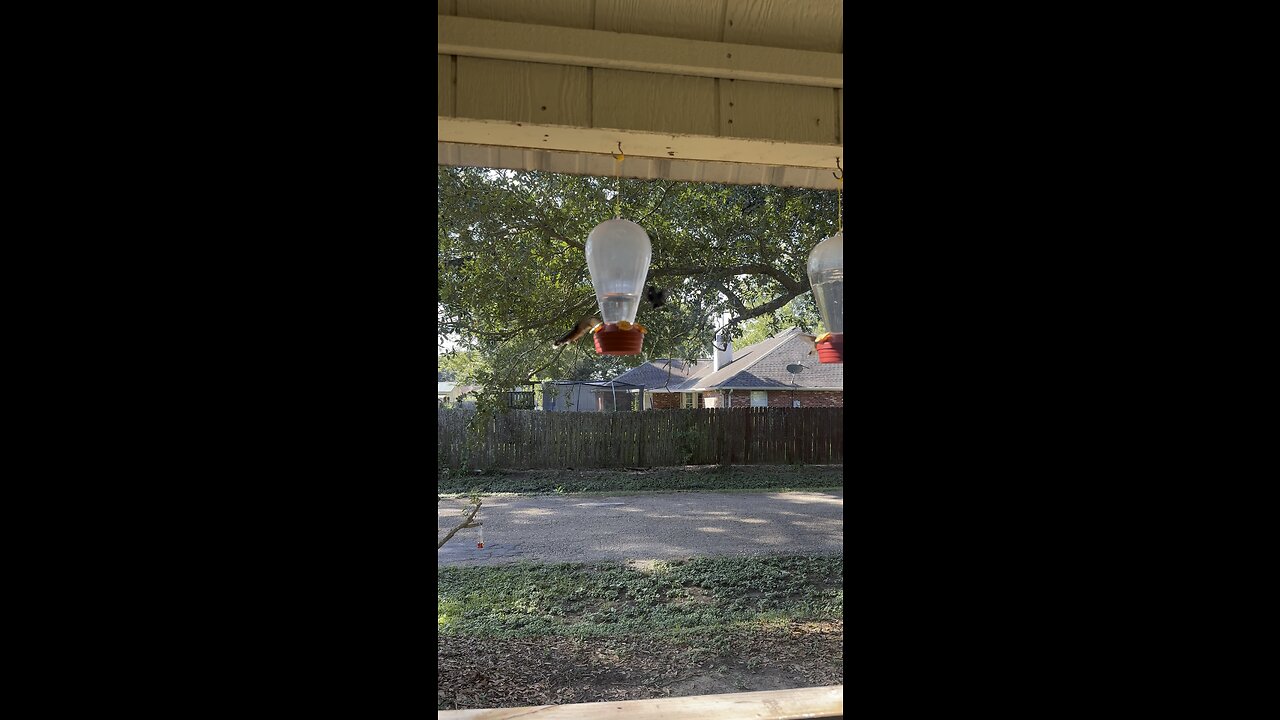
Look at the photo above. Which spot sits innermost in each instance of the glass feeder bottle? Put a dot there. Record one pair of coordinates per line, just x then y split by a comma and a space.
826, 277
618, 253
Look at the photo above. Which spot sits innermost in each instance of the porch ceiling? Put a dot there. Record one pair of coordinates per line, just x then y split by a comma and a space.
726, 91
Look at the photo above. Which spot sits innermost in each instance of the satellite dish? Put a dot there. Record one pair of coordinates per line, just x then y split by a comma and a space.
794, 368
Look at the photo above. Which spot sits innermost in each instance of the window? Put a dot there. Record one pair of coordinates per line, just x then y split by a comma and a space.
686, 401
710, 401
759, 398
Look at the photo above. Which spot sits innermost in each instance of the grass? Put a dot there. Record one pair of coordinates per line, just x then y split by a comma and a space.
612, 599
671, 479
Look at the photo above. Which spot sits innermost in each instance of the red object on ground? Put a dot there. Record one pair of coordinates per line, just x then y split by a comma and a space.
480, 545
612, 341
832, 349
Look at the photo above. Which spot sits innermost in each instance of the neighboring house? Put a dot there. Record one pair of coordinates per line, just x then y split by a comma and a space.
755, 376
590, 396
450, 394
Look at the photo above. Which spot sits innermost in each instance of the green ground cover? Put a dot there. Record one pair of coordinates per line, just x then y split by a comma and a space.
534, 633
669, 479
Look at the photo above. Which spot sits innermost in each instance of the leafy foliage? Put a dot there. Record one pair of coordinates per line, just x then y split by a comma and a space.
522, 599
513, 275
737, 477
462, 366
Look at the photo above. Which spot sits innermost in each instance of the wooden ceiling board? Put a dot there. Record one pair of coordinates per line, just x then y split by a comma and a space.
653, 101
523, 92
561, 13
688, 19
799, 25
444, 85
791, 113
840, 111
502, 40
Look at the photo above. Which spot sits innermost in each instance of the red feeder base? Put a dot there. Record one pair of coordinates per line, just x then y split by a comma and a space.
612, 341
832, 349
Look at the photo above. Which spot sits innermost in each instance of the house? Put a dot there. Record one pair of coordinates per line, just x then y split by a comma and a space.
590, 396
450, 394
781, 371
443, 392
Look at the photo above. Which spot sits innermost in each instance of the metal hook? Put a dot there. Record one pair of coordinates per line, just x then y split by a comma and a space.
838, 177
620, 155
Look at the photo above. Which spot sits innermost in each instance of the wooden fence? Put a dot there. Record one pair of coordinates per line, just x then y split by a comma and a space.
527, 439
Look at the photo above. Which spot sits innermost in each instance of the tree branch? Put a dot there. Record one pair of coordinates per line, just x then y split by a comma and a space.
792, 286
743, 313
713, 274
566, 240
734, 300
550, 362
768, 307
461, 326
661, 200
466, 522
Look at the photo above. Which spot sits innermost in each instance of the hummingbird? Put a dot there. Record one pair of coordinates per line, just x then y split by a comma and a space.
656, 296
578, 331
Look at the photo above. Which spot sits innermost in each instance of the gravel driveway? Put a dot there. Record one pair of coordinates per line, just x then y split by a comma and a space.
577, 528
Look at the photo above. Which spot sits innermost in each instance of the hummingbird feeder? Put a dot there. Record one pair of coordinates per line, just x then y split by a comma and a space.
618, 254
826, 277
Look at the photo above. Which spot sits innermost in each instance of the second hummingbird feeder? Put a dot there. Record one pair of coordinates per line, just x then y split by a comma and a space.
826, 277
618, 254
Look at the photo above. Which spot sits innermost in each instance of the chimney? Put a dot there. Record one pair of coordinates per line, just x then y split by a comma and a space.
724, 357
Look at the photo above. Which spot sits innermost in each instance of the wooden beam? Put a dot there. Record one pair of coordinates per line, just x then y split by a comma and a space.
474, 37
816, 702
637, 144
597, 165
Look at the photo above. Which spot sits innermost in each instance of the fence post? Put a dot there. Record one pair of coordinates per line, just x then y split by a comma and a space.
640, 440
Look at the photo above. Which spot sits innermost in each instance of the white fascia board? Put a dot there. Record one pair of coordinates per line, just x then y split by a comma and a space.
506, 133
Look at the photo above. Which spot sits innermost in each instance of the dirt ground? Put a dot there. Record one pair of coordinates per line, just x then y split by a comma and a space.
491, 673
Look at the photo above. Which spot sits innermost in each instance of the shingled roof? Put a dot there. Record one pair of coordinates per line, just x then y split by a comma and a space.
756, 367
663, 374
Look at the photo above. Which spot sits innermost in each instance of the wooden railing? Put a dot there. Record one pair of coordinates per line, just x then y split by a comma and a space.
815, 702
520, 400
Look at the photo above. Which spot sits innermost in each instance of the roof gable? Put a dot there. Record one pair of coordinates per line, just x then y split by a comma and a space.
762, 365
663, 373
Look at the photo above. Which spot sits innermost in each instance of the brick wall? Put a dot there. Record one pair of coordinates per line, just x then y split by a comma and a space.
666, 401
777, 398
807, 398
783, 398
